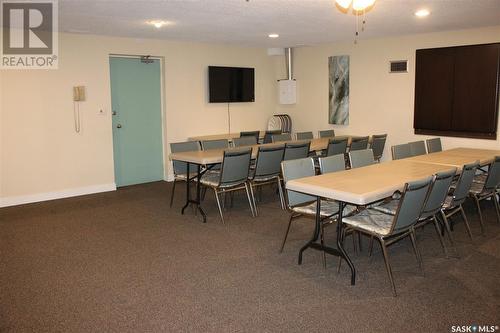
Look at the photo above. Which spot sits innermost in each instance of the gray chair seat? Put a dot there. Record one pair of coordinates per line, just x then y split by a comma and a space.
387, 207
261, 178
372, 221
183, 176
328, 208
212, 179
481, 178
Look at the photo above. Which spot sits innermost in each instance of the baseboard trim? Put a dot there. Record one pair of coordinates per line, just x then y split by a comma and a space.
74, 192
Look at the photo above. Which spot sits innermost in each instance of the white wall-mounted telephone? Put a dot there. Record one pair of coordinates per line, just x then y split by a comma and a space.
78, 96
78, 93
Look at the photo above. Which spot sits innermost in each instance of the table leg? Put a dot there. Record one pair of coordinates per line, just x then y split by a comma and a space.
340, 243
188, 194
197, 202
339, 251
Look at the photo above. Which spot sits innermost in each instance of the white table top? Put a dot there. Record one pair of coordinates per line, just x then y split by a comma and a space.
457, 157
365, 185
216, 155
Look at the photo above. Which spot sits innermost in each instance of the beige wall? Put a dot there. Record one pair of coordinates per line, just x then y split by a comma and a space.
379, 102
42, 156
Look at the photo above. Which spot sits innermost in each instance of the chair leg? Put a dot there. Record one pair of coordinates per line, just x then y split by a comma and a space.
466, 222
253, 199
438, 231
282, 199
286, 233
478, 206
173, 192
249, 199
323, 244
497, 206
415, 249
219, 205
371, 247
388, 266
448, 229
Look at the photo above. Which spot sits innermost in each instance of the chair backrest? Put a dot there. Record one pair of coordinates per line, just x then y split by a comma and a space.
294, 169
361, 158
304, 136
269, 161
378, 145
332, 163
255, 134
336, 146
268, 136
235, 166
282, 137
438, 192
400, 151
464, 183
244, 141
326, 133
215, 144
295, 150
178, 147
493, 178
411, 204
417, 148
434, 145
359, 143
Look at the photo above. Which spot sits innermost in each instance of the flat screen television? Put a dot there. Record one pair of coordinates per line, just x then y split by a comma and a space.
231, 84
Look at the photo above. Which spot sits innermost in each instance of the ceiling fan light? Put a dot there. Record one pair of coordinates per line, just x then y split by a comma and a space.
358, 5
344, 3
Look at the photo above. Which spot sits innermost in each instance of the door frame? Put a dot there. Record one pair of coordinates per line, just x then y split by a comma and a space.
163, 110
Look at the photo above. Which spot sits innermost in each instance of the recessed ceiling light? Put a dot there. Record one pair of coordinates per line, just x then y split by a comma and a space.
273, 35
422, 13
158, 24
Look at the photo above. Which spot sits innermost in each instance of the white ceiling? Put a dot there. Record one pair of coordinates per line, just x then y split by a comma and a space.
298, 22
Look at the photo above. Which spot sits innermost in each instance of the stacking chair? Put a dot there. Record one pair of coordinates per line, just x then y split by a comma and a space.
489, 189
336, 146
304, 136
400, 151
378, 145
267, 170
296, 150
434, 145
268, 136
389, 229
433, 204
282, 137
331, 163
233, 176
417, 148
326, 134
215, 144
180, 167
359, 143
361, 158
255, 134
453, 202
304, 205
244, 141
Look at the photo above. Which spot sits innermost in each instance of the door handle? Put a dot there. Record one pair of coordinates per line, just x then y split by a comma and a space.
114, 113
119, 126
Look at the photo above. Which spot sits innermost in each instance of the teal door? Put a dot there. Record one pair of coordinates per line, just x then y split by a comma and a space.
137, 121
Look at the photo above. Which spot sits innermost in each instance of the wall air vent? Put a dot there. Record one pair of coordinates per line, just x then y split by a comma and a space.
398, 66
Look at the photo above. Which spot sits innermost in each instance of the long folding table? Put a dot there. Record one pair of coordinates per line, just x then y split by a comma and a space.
215, 156
360, 186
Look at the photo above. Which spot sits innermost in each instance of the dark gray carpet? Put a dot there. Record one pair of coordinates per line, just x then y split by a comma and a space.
125, 262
